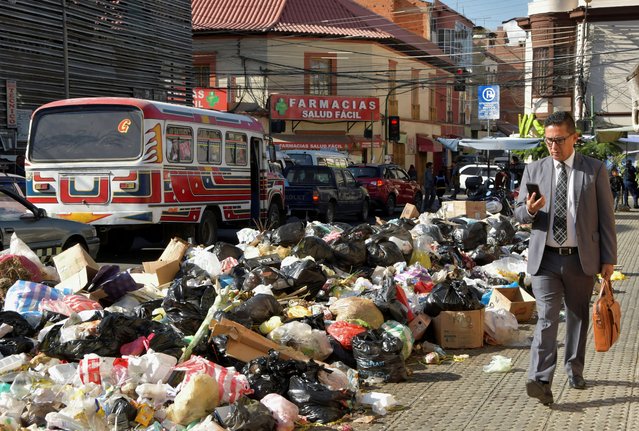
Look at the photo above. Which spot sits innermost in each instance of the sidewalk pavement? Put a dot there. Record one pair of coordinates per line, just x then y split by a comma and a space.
460, 396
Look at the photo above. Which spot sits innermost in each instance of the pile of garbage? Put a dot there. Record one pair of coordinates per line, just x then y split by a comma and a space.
290, 326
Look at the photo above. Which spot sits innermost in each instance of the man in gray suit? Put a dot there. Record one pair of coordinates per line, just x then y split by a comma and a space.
573, 237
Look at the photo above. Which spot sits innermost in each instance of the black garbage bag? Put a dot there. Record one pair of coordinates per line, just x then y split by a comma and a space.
166, 339
314, 247
451, 295
145, 309
384, 253
386, 300
273, 260
449, 255
257, 309
267, 276
501, 231
360, 232
20, 325
271, 374
379, 355
485, 254
14, 345
317, 402
122, 412
186, 306
223, 250
305, 273
350, 254
433, 231
446, 227
340, 354
114, 330
288, 234
389, 230
249, 415
471, 235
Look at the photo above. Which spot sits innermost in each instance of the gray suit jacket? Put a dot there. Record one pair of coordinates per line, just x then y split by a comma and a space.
595, 218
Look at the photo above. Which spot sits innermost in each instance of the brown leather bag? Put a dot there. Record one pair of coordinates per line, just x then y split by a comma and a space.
606, 318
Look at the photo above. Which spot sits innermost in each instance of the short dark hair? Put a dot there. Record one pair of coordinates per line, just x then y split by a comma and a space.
515, 159
429, 164
561, 117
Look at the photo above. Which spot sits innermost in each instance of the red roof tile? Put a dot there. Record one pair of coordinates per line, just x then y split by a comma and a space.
255, 15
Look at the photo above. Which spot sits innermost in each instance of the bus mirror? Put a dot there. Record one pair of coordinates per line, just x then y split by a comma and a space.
272, 156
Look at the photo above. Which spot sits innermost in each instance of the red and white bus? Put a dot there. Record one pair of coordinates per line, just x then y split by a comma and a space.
123, 163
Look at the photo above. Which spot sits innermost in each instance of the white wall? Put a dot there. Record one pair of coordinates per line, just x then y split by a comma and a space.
544, 6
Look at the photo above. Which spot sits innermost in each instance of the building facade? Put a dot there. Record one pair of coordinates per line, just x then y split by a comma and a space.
53, 50
334, 51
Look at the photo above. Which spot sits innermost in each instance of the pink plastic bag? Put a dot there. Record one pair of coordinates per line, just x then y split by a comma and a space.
69, 304
137, 346
231, 384
284, 411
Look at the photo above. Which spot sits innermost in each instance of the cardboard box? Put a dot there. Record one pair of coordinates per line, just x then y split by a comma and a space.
418, 326
515, 300
410, 212
460, 329
470, 209
245, 345
168, 264
76, 268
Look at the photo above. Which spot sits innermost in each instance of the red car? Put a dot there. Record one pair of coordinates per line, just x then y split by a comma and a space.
388, 186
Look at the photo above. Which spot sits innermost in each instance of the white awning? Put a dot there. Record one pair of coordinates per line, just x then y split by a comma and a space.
505, 144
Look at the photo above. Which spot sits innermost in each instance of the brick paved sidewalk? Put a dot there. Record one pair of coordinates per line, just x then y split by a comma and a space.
460, 396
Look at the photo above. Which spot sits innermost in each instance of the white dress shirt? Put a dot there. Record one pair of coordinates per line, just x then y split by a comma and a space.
571, 240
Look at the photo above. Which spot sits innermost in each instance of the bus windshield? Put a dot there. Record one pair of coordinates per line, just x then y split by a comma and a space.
87, 133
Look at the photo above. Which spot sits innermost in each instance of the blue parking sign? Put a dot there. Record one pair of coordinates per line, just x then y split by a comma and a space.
488, 99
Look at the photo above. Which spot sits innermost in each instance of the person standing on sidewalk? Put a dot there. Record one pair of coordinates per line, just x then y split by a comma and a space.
455, 179
630, 184
565, 251
429, 188
616, 186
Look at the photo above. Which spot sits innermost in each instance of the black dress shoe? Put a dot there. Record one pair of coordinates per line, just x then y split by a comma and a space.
577, 382
539, 390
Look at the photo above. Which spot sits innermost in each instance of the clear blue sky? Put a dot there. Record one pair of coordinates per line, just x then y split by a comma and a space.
489, 13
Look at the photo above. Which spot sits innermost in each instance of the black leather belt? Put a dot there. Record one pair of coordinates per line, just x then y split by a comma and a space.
562, 251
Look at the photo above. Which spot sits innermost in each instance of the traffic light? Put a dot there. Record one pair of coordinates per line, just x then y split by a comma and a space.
393, 128
278, 126
460, 80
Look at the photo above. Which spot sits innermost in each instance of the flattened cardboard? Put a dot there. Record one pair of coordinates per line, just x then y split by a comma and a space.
460, 329
470, 209
515, 300
410, 212
76, 268
168, 264
246, 345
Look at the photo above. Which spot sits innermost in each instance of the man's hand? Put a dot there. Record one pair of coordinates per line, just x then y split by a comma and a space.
606, 270
534, 203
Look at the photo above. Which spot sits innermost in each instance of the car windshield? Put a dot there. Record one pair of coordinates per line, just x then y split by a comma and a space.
11, 208
363, 171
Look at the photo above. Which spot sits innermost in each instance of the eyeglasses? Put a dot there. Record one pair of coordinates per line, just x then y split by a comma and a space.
557, 141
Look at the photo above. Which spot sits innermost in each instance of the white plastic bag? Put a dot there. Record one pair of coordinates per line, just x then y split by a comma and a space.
501, 325
247, 235
18, 247
379, 401
284, 411
311, 342
205, 260
499, 364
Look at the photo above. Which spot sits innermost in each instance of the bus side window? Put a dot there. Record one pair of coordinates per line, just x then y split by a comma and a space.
209, 146
235, 149
180, 144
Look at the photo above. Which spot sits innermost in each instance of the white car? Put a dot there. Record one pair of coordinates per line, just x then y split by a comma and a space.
475, 171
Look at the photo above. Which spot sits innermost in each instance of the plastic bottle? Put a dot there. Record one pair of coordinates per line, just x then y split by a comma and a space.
13, 362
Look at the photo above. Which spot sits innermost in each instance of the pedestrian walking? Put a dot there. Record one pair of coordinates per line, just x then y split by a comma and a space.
630, 184
565, 251
429, 188
454, 177
616, 186
441, 184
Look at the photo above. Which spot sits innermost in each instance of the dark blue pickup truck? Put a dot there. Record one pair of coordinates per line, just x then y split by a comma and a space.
325, 192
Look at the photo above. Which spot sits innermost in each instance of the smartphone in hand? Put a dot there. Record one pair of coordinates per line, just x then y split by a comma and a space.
533, 188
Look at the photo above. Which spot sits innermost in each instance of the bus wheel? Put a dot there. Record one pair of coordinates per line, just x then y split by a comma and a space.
207, 229
274, 217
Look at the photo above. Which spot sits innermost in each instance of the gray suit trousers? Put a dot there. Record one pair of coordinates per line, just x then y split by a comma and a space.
560, 278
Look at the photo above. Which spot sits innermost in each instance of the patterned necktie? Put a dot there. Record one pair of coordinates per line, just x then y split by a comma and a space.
559, 229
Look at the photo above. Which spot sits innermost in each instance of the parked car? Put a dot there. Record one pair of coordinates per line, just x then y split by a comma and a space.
469, 171
14, 183
388, 186
46, 236
326, 192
